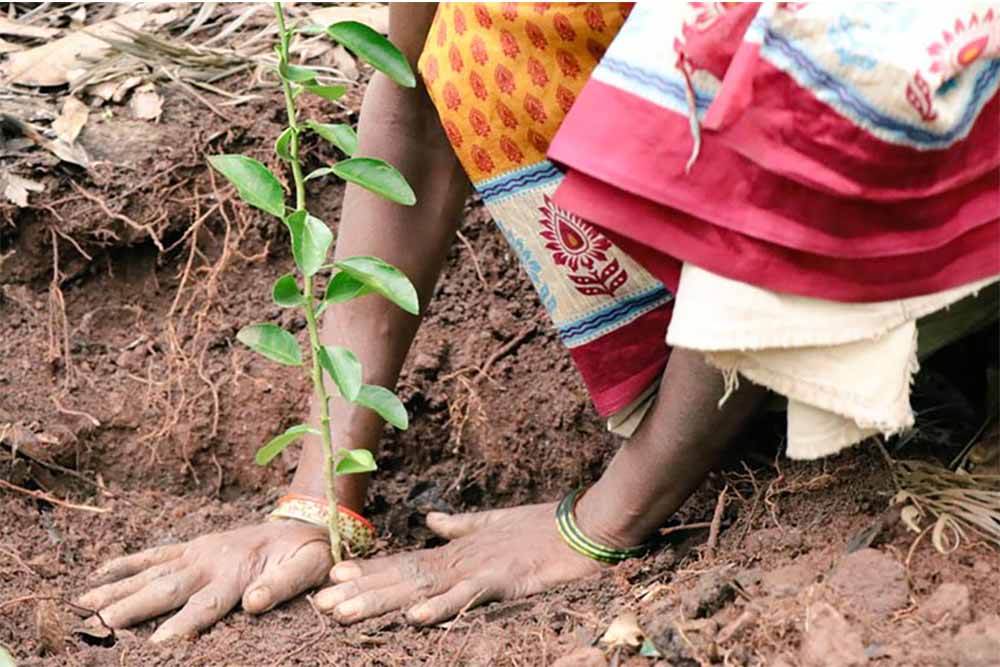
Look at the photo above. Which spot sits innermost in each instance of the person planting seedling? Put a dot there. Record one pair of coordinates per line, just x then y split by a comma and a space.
642, 191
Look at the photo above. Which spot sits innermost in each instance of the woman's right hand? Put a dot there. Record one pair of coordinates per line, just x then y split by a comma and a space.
261, 565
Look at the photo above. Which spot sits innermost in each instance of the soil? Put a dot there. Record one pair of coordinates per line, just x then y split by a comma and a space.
124, 390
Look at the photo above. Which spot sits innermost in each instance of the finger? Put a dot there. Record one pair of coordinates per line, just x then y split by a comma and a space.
453, 526
355, 569
328, 598
126, 566
101, 597
284, 580
204, 609
163, 595
380, 601
465, 594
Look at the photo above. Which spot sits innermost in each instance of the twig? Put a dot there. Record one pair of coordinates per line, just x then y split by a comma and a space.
468, 605
75, 413
685, 526
713, 529
119, 216
475, 260
41, 495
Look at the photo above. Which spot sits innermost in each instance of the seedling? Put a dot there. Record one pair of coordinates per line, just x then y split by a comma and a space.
311, 241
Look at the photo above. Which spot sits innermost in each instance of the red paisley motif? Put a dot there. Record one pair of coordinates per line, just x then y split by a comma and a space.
542, 7
452, 99
478, 48
536, 35
504, 79
455, 58
511, 150
509, 44
565, 98
507, 116
564, 27
483, 17
596, 49
567, 63
482, 159
535, 108
479, 123
537, 72
442, 33
478, 85
430, 70
509, 10
459, 21
595, 18
540, 143
454, 134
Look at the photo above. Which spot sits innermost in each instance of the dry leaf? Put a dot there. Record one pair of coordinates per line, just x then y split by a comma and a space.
911, 516
345, 63
50, 64
624, 631
16, 188
15, 29
9, 47
375, 17
123, 88
146, 103
72, 119
49, 626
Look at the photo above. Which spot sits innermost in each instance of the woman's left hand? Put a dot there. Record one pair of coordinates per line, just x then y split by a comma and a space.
494, 555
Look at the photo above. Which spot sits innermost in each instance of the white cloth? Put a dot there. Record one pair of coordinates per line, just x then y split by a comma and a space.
844, 367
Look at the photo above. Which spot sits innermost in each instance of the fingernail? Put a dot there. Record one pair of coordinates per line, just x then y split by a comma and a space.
345, 572
259, 598
419, 615
348, 609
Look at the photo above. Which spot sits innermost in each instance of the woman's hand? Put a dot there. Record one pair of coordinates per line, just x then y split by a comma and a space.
495, 555
262, 565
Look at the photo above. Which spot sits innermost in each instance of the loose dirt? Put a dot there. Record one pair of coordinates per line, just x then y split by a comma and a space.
124, 390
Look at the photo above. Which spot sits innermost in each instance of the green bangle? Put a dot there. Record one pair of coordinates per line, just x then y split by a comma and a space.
582, 544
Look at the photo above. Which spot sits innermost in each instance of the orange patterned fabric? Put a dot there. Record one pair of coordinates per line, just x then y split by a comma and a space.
503, 75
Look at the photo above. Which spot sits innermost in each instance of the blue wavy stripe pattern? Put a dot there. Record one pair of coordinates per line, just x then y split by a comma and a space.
604, 319
667, 86
508, 184
852, 100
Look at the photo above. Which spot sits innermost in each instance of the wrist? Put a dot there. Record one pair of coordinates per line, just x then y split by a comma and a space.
607, 522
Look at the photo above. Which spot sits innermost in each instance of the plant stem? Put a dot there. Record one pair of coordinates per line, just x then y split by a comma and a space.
319, 387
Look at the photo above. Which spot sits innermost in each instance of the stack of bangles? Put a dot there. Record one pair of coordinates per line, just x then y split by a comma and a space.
582, 544
357, 533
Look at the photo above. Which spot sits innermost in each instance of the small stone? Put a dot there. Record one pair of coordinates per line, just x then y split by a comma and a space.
501, 322
426, 363
589, 656
713, 592
978, 644
831, 641
788, 580
982, 567
950, 602
871, 580
775, 539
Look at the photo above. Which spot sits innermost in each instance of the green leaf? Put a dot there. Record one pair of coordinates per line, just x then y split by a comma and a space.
311, 240
344, 287
331, 93
297, 73
649, 650
354, 461
340, 135
273, 342
310, 29
266, 453
255, 183
383, 278
375, 50
286, 292
281, 146
385, 403
377, 176
345, 369
318, 173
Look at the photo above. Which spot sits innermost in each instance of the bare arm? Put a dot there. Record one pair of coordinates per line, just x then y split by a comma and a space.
400, 126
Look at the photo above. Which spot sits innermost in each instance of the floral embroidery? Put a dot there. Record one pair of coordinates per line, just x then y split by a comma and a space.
969, 42
582, 249
918, 94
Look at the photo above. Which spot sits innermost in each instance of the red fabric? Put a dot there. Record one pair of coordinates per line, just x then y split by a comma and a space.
621, 364
669, 235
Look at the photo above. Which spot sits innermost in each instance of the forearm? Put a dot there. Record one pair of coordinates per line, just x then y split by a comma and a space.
680, 440
399, 126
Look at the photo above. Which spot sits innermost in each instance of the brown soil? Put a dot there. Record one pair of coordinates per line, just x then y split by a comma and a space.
127, 392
